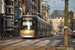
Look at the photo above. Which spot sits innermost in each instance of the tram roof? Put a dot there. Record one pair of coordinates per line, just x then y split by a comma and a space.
29, 15
37, 17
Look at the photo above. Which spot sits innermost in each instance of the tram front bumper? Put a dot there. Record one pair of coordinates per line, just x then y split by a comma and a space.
27, 35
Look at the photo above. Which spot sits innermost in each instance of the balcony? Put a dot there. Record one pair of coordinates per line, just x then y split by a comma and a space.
10, 0
33, 11
33, 3
9, 29
8, 19
9, 16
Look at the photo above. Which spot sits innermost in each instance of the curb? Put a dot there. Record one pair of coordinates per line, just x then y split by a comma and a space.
8, 38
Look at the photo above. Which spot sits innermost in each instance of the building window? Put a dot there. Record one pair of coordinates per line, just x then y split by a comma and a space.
51, 21
54, 20
23, 1
5, 23
62, 17
15, 23
8, 10
8, 23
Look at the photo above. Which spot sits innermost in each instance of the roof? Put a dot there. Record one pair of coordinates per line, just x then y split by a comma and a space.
53, 17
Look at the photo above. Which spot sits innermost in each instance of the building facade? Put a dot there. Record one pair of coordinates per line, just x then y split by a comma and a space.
74, 20
9, 16
14, 9
31, 7
45, 11
57, 23
2, 12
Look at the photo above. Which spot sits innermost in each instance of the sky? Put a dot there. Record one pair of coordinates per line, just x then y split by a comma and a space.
60, 5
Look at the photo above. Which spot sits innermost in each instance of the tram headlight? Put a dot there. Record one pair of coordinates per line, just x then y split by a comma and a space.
27, 31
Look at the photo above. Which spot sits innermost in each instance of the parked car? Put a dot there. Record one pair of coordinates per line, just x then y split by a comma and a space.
73, 35
54, 33
60, 34
70, 33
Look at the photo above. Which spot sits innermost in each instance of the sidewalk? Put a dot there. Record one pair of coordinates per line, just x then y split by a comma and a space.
9, 38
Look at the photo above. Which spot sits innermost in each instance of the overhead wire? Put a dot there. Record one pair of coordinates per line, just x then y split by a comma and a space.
62, 7
54, 4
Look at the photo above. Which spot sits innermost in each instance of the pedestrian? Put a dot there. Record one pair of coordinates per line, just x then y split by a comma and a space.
55, 33
71, 31
5, 35
10, 36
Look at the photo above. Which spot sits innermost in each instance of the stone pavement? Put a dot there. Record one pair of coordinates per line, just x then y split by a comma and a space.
34, 47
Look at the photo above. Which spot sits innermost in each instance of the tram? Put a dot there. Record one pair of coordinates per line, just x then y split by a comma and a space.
33, 26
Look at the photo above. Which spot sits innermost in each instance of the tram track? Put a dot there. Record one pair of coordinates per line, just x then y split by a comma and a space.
5, 41
36, 48
28, 45
25, 47
9, 40
45, 47
13, 42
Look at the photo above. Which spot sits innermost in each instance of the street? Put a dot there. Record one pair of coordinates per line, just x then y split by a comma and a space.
37, 25
33, 44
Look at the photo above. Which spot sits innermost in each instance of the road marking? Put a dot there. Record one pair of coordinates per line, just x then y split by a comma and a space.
55, 43
42, 43
7, 43
73, 41
26, 43
70, 48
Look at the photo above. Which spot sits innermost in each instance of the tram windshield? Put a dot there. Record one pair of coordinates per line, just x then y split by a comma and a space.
28, 27
27, 24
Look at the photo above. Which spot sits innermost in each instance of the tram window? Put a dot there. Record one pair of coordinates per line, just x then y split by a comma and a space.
25, 27
34, 22
31, 27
